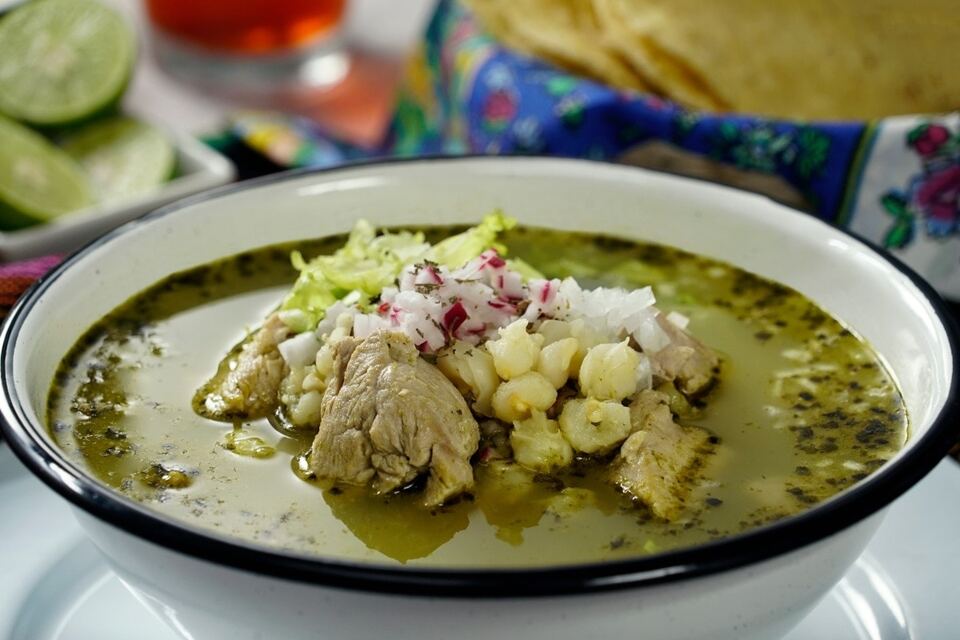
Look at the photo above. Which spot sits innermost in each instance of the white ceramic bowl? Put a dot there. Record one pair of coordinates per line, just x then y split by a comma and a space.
755, 585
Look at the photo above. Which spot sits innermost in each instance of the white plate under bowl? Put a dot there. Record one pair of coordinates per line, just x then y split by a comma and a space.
198, 167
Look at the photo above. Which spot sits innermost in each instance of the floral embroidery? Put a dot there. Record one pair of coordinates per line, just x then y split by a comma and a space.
498, 110
932, 195
760, 146
501, 104
529, 136
570, 110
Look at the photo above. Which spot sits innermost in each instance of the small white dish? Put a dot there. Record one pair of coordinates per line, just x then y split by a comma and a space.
198, 167
59, 587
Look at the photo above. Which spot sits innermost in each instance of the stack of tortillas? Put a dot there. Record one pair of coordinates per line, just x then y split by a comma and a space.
798, 59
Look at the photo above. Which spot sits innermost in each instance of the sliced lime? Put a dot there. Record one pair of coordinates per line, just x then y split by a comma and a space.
38, 182
62, 60
121, 156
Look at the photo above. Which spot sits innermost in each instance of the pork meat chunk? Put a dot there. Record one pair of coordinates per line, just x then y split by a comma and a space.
246, 385
657, 463
686, 361
389, 416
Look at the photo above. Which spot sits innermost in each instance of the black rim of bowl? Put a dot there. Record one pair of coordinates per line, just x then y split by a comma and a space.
44, 459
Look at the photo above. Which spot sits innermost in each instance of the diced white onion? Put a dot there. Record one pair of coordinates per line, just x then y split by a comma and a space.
346, 305
650, 336
366, 324
678, 319
434, 306
644, 373
300, 350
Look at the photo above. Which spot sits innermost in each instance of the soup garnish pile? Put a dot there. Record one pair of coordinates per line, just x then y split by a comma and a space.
495, 396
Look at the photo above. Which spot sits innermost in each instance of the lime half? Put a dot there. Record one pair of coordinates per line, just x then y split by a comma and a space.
122, 157
38, 181
62, 60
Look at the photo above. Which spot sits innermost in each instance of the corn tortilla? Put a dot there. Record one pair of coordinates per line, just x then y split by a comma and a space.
565, 33
816, 59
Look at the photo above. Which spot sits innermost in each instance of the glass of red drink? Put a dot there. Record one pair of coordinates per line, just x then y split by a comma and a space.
250, 46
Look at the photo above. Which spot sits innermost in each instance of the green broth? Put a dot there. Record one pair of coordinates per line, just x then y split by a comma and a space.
804, 409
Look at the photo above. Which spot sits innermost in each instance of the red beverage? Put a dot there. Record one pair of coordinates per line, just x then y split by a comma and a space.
247, 26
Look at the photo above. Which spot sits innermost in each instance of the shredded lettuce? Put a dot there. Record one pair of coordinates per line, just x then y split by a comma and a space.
459, 249
365, 264
526, 270
369, 262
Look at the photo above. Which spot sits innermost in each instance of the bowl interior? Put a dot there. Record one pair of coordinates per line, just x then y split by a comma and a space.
838, 272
